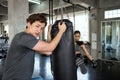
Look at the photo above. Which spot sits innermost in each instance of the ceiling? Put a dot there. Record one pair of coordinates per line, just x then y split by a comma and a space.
4, 6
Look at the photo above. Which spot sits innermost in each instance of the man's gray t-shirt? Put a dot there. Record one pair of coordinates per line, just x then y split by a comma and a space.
19, 63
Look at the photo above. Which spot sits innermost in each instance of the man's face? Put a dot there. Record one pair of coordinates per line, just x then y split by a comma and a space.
36, 28
76, 37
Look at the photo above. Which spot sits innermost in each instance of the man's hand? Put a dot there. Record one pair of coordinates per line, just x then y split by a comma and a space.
62, 26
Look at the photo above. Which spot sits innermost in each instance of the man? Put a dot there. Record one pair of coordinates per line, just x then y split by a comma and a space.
19, 63
5, 36
79, 48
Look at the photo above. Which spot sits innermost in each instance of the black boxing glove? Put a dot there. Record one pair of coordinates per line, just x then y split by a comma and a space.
88, 43
79, 43
94, 63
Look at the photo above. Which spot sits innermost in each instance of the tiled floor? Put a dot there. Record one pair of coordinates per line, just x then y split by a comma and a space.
106, 70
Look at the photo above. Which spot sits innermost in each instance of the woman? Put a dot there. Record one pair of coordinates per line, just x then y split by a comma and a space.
79, 48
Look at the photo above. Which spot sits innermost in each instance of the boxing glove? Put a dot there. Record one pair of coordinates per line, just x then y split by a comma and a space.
94, 63
79, 43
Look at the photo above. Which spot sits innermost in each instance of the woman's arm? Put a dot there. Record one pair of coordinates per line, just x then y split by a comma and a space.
86, 52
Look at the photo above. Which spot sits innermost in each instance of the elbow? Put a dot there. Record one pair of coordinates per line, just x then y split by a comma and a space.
51, 47
48, 53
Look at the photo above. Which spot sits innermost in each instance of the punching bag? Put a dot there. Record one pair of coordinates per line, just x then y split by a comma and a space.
63, 57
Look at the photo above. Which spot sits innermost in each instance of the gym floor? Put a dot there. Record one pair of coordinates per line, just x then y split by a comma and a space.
106, 70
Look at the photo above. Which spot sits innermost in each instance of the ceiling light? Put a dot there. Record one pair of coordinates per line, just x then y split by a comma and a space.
34, 1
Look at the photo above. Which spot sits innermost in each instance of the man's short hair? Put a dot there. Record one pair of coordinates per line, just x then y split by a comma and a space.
37, 17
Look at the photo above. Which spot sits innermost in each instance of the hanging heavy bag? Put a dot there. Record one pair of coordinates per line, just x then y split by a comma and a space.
63, 57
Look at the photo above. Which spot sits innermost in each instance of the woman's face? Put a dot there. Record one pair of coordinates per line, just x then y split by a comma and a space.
76, 37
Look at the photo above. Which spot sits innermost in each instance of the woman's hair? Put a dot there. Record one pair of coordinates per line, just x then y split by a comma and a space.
37, 17
77, 31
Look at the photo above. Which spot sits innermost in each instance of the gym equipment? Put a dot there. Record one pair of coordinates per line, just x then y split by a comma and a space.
63, 57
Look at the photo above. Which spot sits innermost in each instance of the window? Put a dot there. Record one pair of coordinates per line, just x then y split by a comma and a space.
112, 13
81, 23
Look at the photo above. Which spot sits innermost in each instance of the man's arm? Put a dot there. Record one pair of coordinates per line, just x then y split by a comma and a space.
43, 46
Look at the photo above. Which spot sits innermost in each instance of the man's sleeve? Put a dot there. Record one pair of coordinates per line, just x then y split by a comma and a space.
28, 41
